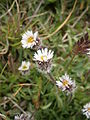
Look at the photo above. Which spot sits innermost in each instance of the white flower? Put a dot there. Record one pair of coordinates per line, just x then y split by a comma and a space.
86, 110
29, 39
25, 66
43, 55
22, 117
66, 84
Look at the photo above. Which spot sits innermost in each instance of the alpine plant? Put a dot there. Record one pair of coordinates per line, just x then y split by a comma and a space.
86, 110
65, 83
43, 58
24, 68
30, 39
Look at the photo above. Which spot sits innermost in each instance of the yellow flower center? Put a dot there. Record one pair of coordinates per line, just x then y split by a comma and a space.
65, 82
42, 57
30, 40
24, 67
89, 109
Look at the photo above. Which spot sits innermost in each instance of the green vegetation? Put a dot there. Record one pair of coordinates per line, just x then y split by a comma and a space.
60, 24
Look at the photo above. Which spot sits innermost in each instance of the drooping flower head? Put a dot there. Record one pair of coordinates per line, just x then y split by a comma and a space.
24, 68
66, 84
43, 57
86, 110
82, 46
30, 39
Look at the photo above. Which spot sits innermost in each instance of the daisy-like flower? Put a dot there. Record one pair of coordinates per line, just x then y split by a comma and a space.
22, 117
86, 110
66, 84
24, 68
29, 40
43, 57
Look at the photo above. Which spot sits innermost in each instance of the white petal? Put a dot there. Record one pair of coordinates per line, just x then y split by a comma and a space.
46, 50
24, 36
35, 35
58, 83
39, 52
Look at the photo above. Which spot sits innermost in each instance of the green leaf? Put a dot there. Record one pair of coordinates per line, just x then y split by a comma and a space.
46, 106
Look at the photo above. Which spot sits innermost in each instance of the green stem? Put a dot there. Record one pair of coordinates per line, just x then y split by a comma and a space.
3, 69
51, 78
68, 65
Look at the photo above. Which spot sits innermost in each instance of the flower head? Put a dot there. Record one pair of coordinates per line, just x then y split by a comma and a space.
44, 57
24, 68
22, 117
86, 110
29, 40
66, 84
82, 46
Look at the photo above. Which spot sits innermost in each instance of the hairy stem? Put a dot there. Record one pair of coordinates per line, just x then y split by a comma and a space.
51, 78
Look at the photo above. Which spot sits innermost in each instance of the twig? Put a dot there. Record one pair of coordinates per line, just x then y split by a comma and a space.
8, 10
21, 85
38, 15
35, 12
5, 49
25, 84
80, 17
66, 20
4, 102
64, 36
17, 91
76, 21
48, 19
18, 12
3, 116
17, 106
2, 43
